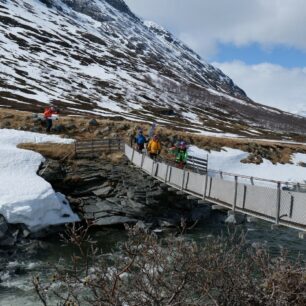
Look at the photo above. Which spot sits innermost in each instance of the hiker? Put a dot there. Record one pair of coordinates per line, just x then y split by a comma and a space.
180, 152
49, 111
140, 141
154, 147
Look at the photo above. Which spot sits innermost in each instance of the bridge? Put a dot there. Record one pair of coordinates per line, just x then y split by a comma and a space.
280, 203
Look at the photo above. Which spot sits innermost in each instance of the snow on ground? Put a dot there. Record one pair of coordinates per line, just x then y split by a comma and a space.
228, 161
25, 197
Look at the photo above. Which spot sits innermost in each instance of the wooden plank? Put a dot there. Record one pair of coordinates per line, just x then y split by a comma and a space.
103, 141
93, 144
196, 163
97, 146
197, 159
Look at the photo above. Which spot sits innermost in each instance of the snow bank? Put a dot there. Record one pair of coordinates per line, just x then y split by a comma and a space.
25, 197
229, 159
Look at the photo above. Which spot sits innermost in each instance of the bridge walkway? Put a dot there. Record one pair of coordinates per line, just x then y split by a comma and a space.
273, 201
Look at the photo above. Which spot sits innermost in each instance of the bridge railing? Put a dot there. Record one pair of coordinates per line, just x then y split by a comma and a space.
96, 146
274, 202
197, 164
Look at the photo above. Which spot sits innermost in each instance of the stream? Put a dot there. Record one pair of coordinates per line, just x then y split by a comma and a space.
38, 257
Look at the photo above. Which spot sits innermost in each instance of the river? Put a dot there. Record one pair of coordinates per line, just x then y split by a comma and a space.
16, 287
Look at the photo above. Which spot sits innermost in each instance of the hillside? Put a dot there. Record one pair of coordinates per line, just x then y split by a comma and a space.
97, 58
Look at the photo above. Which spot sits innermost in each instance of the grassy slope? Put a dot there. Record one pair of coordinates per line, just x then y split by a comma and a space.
274, 151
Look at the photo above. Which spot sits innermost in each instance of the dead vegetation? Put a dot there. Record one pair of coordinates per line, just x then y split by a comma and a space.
50, 150
173, 271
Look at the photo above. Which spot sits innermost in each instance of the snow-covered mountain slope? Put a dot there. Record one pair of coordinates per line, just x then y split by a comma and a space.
97, 57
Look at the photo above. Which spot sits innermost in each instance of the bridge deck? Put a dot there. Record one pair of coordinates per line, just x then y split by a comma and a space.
271, 203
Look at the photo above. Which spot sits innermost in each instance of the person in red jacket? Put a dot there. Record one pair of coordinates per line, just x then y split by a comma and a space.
49, 111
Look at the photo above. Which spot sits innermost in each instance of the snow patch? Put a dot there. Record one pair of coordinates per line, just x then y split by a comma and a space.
228, 160
25, 197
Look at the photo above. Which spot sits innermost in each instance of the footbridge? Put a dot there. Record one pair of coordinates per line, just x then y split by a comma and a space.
277, 202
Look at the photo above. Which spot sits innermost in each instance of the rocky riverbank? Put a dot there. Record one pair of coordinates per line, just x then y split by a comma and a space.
111, 194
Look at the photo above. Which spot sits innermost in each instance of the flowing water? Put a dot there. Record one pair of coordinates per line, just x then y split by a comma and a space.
15, 279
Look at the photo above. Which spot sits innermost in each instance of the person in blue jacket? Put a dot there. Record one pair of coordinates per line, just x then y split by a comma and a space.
140, 141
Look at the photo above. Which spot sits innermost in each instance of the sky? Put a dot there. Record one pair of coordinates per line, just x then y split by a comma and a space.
260, 44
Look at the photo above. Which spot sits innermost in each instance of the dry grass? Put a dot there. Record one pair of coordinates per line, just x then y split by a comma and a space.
114, 158
50, 150
107, 128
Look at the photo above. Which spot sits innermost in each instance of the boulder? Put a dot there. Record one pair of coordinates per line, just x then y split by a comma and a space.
93, 122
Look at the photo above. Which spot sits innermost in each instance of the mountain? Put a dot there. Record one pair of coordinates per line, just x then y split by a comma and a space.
96, 57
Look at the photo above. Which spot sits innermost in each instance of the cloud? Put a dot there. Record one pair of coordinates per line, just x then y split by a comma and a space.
203, 24
270, 84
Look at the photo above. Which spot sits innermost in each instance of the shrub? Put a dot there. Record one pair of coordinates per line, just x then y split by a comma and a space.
174, 271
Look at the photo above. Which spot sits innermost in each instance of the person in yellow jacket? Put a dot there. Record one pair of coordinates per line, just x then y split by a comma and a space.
154, 147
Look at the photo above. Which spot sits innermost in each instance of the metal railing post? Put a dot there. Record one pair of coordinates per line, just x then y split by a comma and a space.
278, 200
183, 181
152, 171
236, 191
170, 173
167, 170
166, 173
205, 185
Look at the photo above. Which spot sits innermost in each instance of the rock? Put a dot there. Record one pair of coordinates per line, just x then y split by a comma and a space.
9, 241
115, 220
71, 126
200, 213
99, 132
112, 135
34, 247
3, 227
141, 225
83, 130
103, 192
26, 233
135, 205
93, 122
60, 128
52, 171
167, 223
235, 218
36, 129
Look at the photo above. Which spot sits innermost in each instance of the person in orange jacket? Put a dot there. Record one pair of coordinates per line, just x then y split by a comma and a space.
154, 147
49, 111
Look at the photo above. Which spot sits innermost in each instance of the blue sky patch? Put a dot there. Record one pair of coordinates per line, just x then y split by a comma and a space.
254, 54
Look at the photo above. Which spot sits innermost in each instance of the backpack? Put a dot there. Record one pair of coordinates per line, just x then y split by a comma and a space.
140, 140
